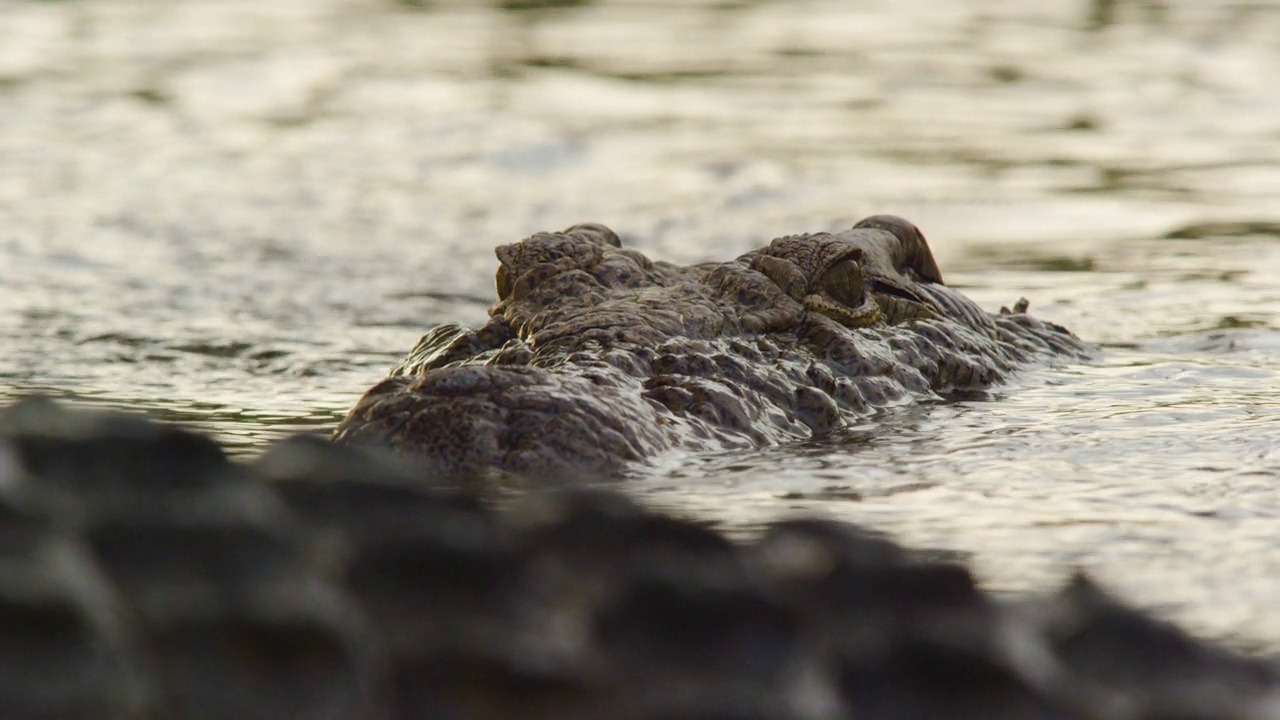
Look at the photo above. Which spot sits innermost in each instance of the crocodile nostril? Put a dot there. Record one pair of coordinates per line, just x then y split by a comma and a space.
844, 283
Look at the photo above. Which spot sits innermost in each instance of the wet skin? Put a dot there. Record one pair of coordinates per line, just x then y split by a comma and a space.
595, 356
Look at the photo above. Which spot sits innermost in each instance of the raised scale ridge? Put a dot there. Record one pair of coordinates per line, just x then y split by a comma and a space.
145, 575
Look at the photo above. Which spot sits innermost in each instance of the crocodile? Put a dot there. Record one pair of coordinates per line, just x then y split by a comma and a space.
595, 356
144, 575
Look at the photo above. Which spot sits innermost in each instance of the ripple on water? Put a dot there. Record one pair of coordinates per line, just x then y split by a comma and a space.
1157, 473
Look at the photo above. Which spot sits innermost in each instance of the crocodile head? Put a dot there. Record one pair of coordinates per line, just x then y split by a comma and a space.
594, 355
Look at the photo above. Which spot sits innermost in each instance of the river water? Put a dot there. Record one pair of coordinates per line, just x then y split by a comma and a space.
238, 215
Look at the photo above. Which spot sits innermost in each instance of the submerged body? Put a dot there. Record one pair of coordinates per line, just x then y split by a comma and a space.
595, 356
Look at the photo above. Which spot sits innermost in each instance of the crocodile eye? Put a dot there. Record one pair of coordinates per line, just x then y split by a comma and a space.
503, 282
843, 282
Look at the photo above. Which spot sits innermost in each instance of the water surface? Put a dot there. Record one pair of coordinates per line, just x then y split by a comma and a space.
238, 215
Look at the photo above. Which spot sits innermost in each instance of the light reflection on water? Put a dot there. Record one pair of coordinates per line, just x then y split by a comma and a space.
1157, 473
238, 215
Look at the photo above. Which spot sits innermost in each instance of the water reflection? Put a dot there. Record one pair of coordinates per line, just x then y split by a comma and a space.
242, 431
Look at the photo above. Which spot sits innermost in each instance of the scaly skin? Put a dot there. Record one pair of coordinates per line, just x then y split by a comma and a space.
144, 576
595, 356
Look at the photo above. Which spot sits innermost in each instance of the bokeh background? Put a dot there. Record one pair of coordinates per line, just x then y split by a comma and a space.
239, 214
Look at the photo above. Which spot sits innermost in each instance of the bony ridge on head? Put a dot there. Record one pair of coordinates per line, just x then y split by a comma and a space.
824, 274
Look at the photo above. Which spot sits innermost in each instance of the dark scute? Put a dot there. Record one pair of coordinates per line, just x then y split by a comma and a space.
51, 661
242, 669
655, 623
923, 680
458, 684
144, 552
109, 452
435, 576
1116, 645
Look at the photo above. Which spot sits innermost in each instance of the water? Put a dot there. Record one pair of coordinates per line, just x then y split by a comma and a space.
238, 215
